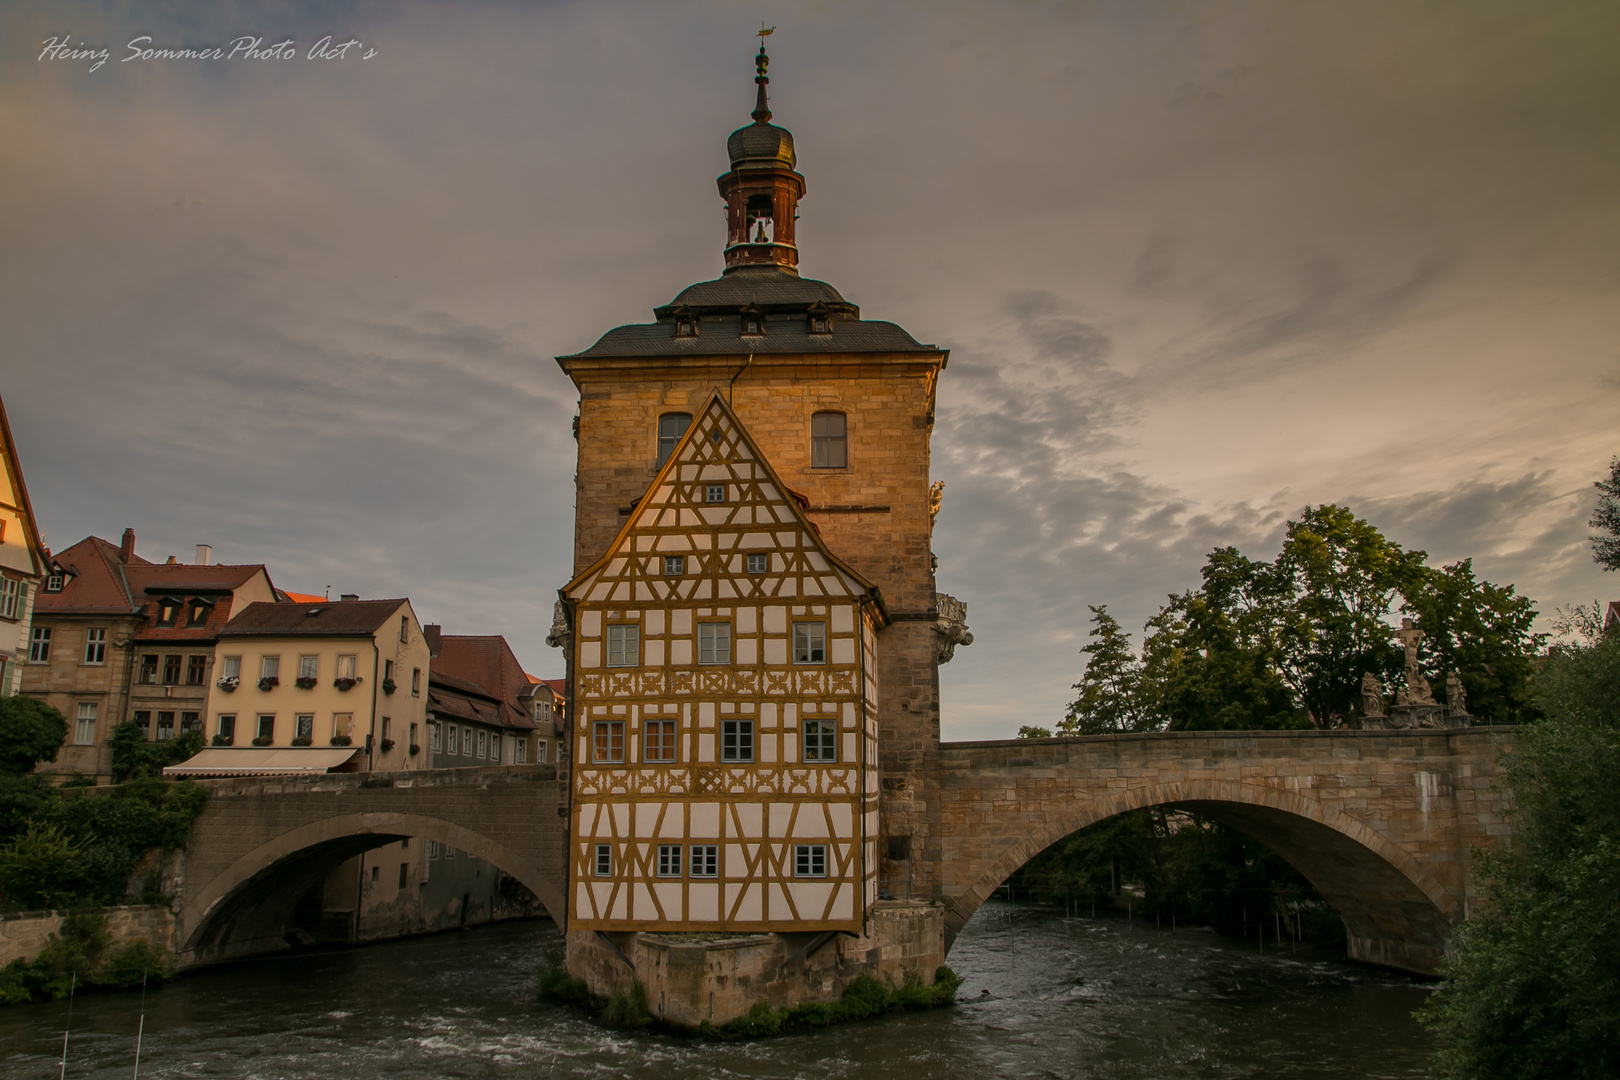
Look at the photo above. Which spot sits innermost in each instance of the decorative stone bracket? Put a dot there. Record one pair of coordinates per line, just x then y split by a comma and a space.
951, 626
559, 635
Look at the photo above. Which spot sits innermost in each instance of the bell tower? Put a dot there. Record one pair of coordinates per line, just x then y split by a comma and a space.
761, 191
842, 408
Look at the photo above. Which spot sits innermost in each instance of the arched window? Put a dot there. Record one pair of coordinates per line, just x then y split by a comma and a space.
829, 449
671, 426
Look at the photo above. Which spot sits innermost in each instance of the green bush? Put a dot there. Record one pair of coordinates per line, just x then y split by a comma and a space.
558, 985
863, 997
627, 1008
30, 732
43, 867
133, 755
76, 956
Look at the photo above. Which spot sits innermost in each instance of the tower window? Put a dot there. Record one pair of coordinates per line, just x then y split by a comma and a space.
686, 326
753, 321
820, 319
714, 493
671, 426
829, 446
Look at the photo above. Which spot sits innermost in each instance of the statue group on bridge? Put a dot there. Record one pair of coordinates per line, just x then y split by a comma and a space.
1414, 706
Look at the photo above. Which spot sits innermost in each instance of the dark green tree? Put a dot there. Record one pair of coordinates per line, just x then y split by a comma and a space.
1213, 668
1606, 519
30, 732
134, 756
1110, 698
1533, 987
1481, 631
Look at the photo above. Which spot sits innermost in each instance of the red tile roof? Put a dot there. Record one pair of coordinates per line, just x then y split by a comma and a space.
97, 583
485, 659
340, 618
153, 582
302, 598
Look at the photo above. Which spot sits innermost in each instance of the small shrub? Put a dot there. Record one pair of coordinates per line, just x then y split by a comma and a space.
558, 985
136, 963
627, 1008
43, 867
761, 1020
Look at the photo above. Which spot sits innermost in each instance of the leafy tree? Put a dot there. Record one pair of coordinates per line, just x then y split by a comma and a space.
1110, 698
1028, 732
43, 867
1482, 631
134, 756
1210, 668
30, 732
1533, 987
1606, 519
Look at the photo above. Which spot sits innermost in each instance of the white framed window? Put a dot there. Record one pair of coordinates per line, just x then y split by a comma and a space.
10, 597
466, 741
95, 645
809, 643
604, 860
669, 860
270, 667
607, 741
84, 727
520, 751
55, 581
39, 645
309, 667
714, 493
495, 747
736, 740
705, 860
809, 860
820, 740
483, 741
343, 723
345, 666
435, 738
759, 564
674, 565
416, 681
451, 748
623, 645
231, 667
714, 643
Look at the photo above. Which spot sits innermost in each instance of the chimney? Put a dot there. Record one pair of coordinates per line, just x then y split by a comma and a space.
431, 634
205, 554
126, 550
348, 596
172, 561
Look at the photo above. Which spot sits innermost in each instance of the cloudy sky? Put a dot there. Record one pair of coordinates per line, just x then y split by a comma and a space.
1198, 266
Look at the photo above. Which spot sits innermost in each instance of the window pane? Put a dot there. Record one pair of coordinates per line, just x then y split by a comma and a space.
669, 860
827, 441
671, 426
737, 740
674, 565
820, 740
609, 741
758, 564
196, 669
623, 645
659, 738
308, 667
604, 860
714, 643
705, 860
809, 643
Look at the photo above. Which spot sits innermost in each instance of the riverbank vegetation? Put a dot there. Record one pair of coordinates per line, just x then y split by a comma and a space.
1533, 987
79, 957
73, 846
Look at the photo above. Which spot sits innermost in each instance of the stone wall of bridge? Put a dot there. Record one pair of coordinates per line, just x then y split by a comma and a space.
1381, 822
264, 842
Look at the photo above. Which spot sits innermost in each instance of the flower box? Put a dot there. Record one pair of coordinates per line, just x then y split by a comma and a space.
262, 740
415, 749
389, 686
223, 740
388, 744
301, 741
230, 683
344, 683
341, 740
305, 682
268, 682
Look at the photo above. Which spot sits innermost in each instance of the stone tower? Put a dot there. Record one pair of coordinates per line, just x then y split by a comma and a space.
841, 406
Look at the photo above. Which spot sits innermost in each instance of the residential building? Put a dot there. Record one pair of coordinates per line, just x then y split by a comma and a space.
487, 662
117, 637
330, 675
466, 726
22, 563
543, 700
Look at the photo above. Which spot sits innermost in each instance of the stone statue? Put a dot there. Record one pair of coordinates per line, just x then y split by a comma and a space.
559, 636
951, 625
936, 496
1372, 696
1456, 696
1417, 690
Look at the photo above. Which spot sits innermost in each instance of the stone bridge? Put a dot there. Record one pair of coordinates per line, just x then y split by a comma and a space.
263, 843
1381, 822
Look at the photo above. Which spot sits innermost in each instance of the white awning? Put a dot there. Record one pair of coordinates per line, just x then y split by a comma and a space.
254, 761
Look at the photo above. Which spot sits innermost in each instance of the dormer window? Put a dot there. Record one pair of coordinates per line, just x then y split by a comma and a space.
753, 321
199, 611
55, 580
686, 323
169, 610
820, 319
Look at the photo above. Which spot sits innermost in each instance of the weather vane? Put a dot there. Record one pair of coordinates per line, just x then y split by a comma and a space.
764, 33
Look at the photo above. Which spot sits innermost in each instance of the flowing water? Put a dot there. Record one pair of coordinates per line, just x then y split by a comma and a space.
1043, 996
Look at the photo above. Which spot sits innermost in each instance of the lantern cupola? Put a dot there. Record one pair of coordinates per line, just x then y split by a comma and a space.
762, 190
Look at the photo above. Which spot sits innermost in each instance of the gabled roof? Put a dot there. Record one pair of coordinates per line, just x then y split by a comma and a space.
301, 598
716, 447
96, 582
340, 618
1612, 619
465, 699
488, 661
25, 508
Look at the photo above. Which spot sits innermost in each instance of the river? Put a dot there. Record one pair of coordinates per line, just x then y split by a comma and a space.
1043, 996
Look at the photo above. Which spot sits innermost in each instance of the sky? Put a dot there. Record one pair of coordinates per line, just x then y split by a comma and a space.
1198, 267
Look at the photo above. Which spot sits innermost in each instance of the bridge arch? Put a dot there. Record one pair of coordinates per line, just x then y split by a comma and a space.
263, 885
1395, 912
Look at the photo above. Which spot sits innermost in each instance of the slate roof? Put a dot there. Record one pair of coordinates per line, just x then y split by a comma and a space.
339, 618
768, 286
97, 583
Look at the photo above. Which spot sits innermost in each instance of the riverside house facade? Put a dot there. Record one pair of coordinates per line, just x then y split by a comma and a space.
22, 564
344, 681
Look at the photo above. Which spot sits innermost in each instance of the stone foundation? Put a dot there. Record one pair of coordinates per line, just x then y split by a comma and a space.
23, 934
690, 978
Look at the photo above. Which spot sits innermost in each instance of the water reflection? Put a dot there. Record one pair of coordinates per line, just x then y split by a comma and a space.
1044, 996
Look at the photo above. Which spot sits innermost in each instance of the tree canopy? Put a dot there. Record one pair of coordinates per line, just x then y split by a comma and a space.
1606, 519
30, 732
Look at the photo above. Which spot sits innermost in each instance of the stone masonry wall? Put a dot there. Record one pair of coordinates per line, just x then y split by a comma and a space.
24, 934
